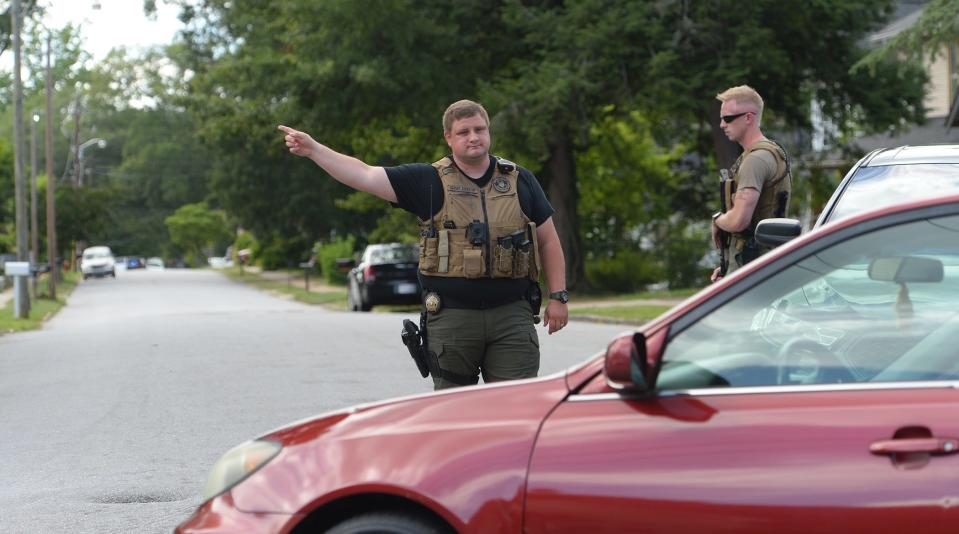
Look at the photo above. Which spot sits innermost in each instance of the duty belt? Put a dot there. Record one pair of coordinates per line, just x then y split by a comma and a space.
480, 304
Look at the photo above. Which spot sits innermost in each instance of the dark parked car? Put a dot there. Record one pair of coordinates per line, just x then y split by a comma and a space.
134, 262
814, 390
386, 274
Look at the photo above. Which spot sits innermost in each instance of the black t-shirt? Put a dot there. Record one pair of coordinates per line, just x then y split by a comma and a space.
418, 185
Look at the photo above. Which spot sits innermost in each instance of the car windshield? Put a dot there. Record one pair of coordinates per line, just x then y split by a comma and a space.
876, 187
96, 254
405, 253
879, 307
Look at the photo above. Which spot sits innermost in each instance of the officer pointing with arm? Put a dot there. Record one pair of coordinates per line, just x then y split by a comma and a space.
485, 229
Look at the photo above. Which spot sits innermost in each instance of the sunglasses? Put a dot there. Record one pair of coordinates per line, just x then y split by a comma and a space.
730, 118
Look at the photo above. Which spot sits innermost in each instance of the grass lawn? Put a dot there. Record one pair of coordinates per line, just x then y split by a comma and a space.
641, 295
41, 308
630, 313
331, 299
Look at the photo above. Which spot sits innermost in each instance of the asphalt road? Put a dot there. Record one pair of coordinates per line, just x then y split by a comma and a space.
112, 414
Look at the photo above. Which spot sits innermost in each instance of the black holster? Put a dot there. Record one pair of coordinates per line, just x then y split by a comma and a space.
534, 295
750, 252
415, 340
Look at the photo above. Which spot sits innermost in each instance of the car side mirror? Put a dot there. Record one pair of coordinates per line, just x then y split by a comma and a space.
775, 232
906, 269
345, 264
625, 364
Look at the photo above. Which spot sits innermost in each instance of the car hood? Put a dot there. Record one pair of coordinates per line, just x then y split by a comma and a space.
461, 448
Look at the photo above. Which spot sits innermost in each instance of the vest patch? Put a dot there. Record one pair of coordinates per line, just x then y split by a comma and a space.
501, 184
462, 189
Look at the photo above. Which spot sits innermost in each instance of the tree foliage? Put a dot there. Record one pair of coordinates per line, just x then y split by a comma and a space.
196, 229
936, 28
609, 102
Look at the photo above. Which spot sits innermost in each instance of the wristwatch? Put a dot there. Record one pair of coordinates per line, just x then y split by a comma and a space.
562, 296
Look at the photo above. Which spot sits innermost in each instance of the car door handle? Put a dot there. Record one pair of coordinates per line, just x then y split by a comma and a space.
928, 445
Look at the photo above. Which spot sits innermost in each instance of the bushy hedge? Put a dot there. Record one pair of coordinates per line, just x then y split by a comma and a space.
625, 270
328, 253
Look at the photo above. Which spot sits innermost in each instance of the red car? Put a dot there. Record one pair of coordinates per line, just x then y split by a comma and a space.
814, 390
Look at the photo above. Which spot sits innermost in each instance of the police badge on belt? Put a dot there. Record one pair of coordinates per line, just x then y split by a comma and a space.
432, 302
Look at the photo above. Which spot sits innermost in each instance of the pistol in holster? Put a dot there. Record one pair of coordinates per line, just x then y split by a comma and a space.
415, 340
534, 295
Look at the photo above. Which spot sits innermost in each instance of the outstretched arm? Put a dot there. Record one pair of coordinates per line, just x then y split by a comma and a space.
554, 265
346, 169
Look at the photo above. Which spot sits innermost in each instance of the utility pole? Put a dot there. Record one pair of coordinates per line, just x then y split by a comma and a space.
34, 228
22, 297
54, 276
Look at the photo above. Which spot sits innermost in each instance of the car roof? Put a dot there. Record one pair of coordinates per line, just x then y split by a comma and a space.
391, 245
911, 155
97, 249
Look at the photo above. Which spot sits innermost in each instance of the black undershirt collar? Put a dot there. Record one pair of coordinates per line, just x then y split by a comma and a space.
482, 180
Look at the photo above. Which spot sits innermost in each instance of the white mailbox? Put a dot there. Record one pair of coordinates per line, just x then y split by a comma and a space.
17, 268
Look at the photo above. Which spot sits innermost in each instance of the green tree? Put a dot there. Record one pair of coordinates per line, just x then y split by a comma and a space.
196, 228
548, 71
343, 71
84, 214
936, 28
8, 237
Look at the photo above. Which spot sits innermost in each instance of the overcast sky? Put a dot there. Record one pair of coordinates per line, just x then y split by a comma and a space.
116, 23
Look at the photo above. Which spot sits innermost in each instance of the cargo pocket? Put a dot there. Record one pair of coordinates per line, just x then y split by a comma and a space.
502, 262
428, 258
473, 263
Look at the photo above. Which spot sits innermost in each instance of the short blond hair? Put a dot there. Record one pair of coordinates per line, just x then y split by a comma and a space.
743, 94
462, 109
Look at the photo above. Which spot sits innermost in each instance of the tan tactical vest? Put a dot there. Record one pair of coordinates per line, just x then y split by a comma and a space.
455, 243
774, 198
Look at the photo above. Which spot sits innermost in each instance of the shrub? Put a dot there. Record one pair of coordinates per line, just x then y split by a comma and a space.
625, 270
328, 253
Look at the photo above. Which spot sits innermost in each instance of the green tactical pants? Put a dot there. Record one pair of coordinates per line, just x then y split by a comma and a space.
501, 343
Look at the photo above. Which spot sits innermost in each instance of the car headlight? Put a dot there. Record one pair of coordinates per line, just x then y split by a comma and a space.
237, 464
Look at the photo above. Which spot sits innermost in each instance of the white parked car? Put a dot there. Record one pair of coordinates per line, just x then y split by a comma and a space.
218, 262
155, 264
98, 262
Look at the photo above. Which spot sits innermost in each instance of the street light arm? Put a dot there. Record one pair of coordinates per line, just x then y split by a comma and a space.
100, 143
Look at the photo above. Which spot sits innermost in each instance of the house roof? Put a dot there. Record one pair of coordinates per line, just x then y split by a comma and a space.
906, 15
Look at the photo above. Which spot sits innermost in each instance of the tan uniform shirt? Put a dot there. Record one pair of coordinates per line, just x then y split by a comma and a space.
758, 169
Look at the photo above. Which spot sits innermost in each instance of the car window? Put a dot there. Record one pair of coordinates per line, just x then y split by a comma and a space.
395, 254
96, 254
875, 187
878, 307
